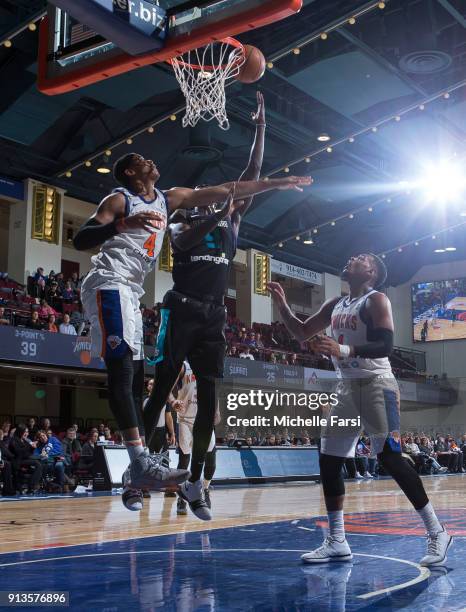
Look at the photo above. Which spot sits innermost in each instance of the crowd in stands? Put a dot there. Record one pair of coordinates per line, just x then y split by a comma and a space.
35, 458
51, 302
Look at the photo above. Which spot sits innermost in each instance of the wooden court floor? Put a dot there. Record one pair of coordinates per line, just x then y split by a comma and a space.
68, 521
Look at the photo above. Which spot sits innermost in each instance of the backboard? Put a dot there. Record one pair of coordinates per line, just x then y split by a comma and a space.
72, 54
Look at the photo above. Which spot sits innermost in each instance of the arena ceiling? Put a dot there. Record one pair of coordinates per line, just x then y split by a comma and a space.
390, 70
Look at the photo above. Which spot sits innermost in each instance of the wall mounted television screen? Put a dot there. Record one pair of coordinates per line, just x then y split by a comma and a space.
439, 310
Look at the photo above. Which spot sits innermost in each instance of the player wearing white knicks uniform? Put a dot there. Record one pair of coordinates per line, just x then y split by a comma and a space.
186, 407
362, 330
129, 226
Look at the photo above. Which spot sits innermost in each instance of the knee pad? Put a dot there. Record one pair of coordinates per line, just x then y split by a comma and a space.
331, 475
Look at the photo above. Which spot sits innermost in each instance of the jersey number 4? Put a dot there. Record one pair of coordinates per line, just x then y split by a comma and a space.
149, 244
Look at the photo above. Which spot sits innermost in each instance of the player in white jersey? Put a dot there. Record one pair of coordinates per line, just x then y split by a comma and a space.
129, 227
361, 342
186, 407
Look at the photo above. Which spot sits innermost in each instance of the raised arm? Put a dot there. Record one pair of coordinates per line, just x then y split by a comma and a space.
253, 169
180, 197
110, 220
302, 330
185, 236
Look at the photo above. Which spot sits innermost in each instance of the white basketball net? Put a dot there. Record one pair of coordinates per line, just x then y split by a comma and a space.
204, 84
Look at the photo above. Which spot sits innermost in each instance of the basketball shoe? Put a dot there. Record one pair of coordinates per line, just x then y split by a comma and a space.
193, 493
331, 550
437, 547
152, 472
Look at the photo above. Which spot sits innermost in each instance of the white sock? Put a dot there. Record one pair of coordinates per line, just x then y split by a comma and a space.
134, 448
336, 524
430, 519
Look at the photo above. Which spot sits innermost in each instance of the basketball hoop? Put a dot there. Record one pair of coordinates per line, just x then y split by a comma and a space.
203, 75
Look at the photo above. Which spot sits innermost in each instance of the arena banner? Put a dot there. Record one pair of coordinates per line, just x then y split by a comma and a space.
255, 462
286, 269
32, 346
11, 188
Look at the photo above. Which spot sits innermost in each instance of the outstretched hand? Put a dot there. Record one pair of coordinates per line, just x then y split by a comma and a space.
293, 183
259, 116
277, 293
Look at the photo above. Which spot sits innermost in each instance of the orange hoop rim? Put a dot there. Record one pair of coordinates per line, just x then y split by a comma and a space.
229, 40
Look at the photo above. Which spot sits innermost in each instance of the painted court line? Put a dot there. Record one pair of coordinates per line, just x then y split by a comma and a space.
424, 572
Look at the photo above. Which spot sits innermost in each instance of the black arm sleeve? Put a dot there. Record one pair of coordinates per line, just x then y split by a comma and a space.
380, 345
93, 234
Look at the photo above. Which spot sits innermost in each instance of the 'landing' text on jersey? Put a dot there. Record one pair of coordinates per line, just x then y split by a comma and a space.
350, 325
128, 257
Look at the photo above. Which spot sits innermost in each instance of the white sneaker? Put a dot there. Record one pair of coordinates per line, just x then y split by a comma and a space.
368, 475
437, 546
358, 476
331, 550
193, 493
132, 498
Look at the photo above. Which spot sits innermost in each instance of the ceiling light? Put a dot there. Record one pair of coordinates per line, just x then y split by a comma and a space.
129, 141
446, 96
108, 152
383, 255
374, 129
280, 244
416, 243
324, 36
324, 137
450, 248
297, 51
439, 251
88, 163
434, 236
351, 216
172, 117
8, 43
381, 5
32, 26
443, 182
307, 160
270, 65
286, 169
151, 129
315, 230
103, 170
370, 209
463, 214
352, 20
351, 139
398, 118
68, 174
298, 237
400, 250
333, 223
308, 241
329, 149
421, 107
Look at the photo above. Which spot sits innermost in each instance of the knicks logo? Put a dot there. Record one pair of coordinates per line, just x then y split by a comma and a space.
114, 342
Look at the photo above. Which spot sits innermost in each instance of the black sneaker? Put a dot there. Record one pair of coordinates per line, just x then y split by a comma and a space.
181, 507
207, 498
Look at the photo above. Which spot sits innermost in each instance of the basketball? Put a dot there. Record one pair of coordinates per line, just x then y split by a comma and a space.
254, 65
